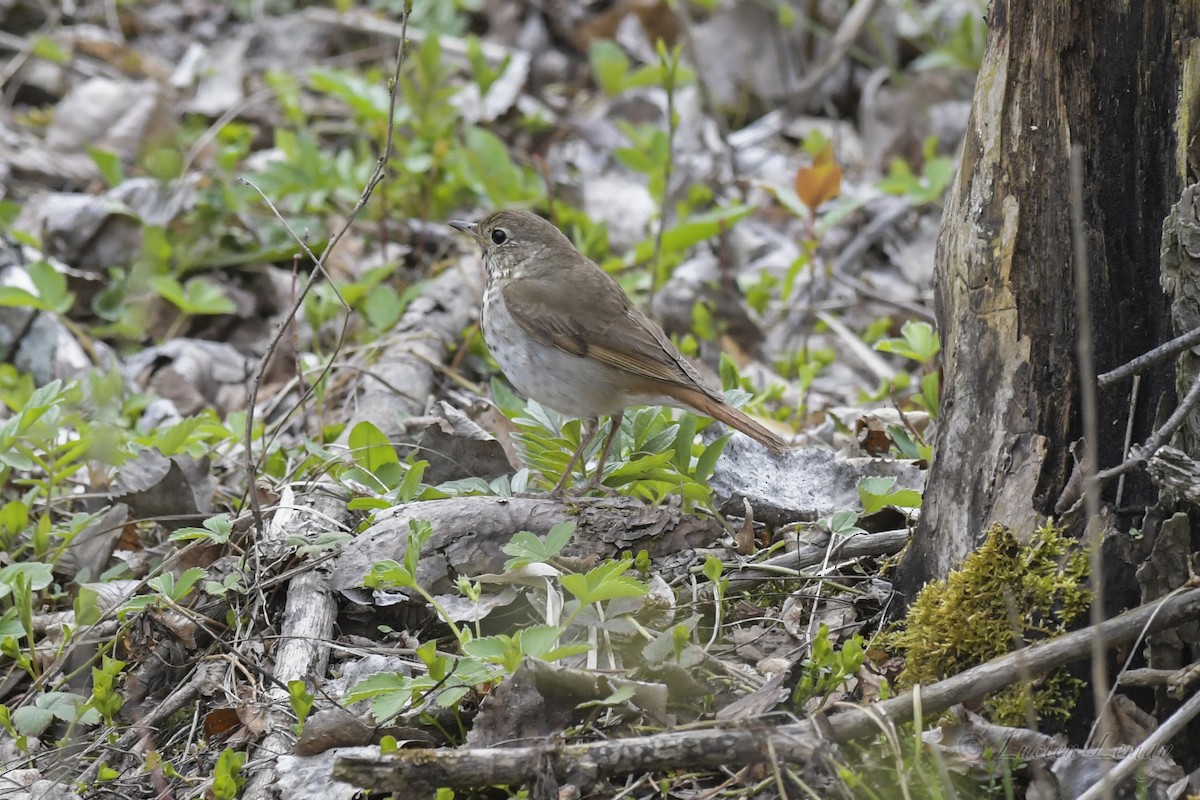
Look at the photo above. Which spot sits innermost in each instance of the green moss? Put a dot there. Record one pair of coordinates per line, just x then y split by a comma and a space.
1004, 590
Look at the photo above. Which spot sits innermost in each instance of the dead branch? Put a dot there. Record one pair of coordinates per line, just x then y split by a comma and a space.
1146, 360
871, 544
413, 771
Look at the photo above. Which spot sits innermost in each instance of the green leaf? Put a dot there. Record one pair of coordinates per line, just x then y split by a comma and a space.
558, 537
931, 393
410, 487
14, 516
605, 582
389, 574
15, 297
186, 581
35, 574
708, 459
172, 440
47, 48
693, 230
684, 439
51, 286
382, 307
367, 98
198, 296
112, 171
920, 342
226, 779
843, 524
713, 568
31, 720
610, 65
877, 493
370, 448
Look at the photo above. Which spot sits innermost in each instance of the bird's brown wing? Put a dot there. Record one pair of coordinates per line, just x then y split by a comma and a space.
609, 329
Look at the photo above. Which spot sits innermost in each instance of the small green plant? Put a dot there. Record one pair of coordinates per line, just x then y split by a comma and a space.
606, 581
925, 187
526, 549
227, 776
949, 45
507, 652
825, 669
196, 297
919, 342
377, 468
216, 530
615, 73
842, 524
489, 659
879, 492
105, 699
166, 590
49, 293
652, 457
813, 198
301, 700
32, 720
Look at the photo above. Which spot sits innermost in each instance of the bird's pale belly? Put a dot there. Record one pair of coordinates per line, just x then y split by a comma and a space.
569, 384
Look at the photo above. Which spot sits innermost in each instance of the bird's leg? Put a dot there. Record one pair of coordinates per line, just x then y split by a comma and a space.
585, 438
612, 435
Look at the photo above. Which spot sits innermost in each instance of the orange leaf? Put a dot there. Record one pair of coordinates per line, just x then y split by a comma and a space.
820, 182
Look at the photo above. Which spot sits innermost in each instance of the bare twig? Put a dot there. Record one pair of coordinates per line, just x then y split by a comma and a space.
1143, 362
1128, 442
1087, 397
376, 177
706, 98
786, 565
1157, 439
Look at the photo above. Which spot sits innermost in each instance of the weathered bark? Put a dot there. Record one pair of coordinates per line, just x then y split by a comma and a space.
1119, 79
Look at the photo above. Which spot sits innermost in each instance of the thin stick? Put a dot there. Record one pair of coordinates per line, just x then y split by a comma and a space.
671, 70
1087, 397
1143, 362
376, 177
1133, 398
1157, 439
1142, 754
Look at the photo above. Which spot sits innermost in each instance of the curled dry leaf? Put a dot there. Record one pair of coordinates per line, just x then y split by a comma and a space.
871, 428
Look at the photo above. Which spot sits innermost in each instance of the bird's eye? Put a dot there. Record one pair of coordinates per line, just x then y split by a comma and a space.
499, 236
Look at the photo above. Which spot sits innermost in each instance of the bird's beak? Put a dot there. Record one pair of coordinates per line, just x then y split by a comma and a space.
469, 228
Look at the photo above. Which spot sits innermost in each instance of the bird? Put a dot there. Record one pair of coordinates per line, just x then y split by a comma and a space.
565, 334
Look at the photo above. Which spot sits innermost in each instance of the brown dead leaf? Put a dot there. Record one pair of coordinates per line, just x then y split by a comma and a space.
744, 539
656, 17
254, 718
872, 435
221, 722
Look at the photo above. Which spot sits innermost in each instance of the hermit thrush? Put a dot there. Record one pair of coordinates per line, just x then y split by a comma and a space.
567, 335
